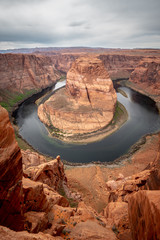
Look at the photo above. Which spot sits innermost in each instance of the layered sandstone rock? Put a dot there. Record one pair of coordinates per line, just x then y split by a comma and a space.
21, 72
7, 234
116, 214
40, 197
11, 198
119, 63
92, 230
50, 173
43, 207
87, 104
120, 66
30, 159
146, 78
144, 215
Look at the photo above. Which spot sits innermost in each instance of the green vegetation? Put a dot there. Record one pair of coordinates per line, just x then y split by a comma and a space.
63, 77
21, 143
72, 202
10, 99
123, 93
120, 110
55, 132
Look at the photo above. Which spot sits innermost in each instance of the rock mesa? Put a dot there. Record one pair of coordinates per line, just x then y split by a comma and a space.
87, 103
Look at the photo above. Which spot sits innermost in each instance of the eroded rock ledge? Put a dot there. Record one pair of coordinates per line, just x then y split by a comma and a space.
146, 79
87, 103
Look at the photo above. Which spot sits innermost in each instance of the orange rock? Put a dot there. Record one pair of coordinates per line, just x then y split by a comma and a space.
144, 215
11, 198
36, 221
91, 230
7, 234
50, 173
115, 211
21, 72
121, 65
88, 103
40, 197
116, 214
68, 218
146, 78
124, 188
30, 159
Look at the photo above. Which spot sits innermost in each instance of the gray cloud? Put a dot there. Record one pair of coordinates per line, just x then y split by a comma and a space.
77, 23
103, 23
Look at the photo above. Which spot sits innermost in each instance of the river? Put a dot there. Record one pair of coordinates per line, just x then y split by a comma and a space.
143, 119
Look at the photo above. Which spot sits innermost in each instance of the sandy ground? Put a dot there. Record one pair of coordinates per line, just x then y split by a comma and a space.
90, 181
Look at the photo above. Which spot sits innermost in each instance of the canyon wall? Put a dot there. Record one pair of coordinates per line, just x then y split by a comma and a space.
146, 78
11, 197
118, 62
120, 66
87, 104
19, 72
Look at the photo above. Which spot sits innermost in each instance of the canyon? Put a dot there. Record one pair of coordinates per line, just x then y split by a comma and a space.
39, 69
88, 102
43, 198
109, 201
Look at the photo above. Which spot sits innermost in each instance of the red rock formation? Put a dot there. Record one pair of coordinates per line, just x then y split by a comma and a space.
11, 198
30, 159
63, 62
7, 234
91, 230
146, 78
88, 103
40, 197
116, 214
21, 72
44, 209
144, 215
120, 65
50, 173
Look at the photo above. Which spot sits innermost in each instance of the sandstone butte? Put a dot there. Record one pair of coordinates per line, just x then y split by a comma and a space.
87, 103
146, 78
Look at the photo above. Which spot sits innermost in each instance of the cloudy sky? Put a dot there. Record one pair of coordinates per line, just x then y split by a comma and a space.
92, 23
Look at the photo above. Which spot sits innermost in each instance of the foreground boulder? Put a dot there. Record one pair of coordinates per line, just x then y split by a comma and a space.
86, 105
11, 197
31, 159
7, 234
50, 173
144, 215
40, 197
91, 230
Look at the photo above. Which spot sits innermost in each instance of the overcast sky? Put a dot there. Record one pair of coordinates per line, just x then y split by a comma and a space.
92, 23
